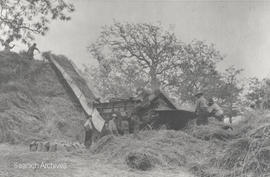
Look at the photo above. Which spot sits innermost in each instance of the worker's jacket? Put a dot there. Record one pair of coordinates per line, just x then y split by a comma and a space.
112, 126
201, 106
135, 124
124, 125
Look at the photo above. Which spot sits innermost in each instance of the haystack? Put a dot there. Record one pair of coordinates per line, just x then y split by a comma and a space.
235, 154
34, 104
249, 155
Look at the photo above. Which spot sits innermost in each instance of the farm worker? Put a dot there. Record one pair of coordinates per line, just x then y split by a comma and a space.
118, 123
112, 125
125, 126
88, 131
105, 130
215, 110
31, 50
201, 109
135, 123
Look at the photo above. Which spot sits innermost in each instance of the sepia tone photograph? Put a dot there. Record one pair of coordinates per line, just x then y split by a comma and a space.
134, 88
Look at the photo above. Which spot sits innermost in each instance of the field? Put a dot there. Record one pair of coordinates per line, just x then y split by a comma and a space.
14, 160
36, 105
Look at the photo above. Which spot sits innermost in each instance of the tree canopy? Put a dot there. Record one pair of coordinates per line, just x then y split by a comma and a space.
259, 92
197, 72
154, 50
145, 55
20, 19
154, 56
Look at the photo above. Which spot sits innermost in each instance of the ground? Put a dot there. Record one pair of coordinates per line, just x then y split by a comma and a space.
85, 164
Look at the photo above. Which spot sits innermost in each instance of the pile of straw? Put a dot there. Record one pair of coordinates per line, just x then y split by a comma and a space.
213, 131
249, 155
140, 161
164, 148
34, 104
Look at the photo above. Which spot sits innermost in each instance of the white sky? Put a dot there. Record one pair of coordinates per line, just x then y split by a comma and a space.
240, 30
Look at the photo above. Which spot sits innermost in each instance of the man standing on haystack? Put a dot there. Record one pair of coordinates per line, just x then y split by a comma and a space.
201, 109
31, 50
88, 131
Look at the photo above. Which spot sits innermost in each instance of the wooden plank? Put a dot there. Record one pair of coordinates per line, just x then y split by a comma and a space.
98, 121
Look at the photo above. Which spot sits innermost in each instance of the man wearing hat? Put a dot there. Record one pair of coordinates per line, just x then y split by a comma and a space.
112, 125
201, 109
215, 110
88, 131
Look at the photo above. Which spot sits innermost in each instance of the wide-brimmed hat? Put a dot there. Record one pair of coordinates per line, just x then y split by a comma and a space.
114, 115
198, 94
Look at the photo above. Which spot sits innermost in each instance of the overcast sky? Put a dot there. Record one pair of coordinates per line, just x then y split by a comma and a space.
240, 30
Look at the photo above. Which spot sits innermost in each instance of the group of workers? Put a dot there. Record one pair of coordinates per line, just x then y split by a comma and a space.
207, 108
115, 126
8, 47
118, 126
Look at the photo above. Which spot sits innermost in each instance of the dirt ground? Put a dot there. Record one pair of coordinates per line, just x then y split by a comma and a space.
17, 161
